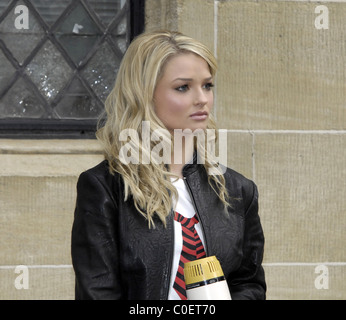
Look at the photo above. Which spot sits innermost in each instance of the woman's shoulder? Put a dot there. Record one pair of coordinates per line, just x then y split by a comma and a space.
101, 172
237, 180
100, 169
231, 173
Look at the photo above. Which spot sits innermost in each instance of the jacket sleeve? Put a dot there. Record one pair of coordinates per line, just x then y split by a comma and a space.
93, 246
248, 282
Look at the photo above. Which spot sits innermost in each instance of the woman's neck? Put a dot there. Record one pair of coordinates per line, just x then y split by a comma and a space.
182, 154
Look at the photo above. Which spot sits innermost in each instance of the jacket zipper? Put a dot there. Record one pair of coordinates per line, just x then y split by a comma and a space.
198, 215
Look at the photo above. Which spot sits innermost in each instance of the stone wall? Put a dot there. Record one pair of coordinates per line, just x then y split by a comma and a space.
37, 197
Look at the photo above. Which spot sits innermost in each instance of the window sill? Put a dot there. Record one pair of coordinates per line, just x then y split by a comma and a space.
37, 158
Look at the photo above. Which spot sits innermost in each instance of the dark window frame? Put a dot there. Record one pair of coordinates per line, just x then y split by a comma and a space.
17, 128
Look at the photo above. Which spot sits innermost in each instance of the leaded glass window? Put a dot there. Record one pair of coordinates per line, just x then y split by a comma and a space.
59, 60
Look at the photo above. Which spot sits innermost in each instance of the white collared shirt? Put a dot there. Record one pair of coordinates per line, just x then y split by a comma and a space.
185, 207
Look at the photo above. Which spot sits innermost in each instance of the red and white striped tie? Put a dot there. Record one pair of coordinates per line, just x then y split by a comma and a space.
192, 249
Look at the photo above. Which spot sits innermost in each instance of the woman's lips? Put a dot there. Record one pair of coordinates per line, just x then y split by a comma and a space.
201, 115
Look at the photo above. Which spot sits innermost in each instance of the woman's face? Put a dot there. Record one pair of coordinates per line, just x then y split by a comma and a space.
183, 96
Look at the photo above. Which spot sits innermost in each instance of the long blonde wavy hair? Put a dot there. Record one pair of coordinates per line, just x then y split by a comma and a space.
131, 102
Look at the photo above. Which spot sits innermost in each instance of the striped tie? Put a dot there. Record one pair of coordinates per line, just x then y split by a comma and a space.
192, 249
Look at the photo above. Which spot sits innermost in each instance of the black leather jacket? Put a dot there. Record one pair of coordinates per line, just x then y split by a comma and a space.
116, 256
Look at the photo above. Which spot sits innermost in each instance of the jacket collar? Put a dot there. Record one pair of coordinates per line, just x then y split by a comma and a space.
192, 166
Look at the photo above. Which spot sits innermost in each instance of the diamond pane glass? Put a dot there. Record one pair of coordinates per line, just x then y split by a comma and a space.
107, 10
21, 33
59, 60
78, 104
49, 71
101, 71
3, 5
20, 102
50, 10
6, 71
78, 33
78, 47
78, 21
120, 35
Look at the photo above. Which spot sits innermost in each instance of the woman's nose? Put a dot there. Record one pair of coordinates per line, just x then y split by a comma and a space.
201, 98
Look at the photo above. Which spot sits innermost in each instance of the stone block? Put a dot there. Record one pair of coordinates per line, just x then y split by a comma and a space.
36, 219
277, 70
306, 282
239, 149
301, 180
43, 283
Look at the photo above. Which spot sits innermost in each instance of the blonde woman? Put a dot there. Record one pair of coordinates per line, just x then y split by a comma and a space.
160, 197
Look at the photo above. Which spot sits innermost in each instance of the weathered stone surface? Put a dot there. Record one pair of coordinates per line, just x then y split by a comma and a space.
276, 70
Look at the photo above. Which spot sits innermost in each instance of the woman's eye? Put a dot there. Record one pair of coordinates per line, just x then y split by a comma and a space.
183, 88
208, 86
